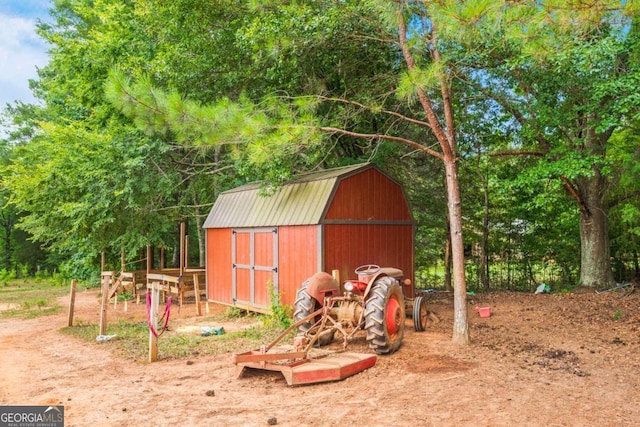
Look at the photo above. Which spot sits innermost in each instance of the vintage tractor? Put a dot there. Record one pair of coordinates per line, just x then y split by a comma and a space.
373, 303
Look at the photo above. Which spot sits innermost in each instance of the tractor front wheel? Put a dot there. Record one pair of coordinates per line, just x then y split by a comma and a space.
385, 316
305, 305
420, 313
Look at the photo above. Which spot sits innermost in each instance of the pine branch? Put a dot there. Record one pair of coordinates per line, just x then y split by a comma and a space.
380, 136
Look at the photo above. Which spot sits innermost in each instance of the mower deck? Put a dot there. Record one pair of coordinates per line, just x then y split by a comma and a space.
305, 370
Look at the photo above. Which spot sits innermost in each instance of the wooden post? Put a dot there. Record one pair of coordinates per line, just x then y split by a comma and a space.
196, 290
336, 275
186, 251
153, 321
72, 301
182, 235
149, 259
122, 263
102, 261
103, 306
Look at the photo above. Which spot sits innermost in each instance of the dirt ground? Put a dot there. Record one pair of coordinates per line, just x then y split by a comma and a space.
539, 360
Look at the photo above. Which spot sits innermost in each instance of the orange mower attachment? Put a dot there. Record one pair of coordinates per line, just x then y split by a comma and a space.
333, 367
296, 365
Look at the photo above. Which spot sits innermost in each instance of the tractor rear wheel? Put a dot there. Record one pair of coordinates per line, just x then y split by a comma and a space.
305, 305
385, 316
420, 313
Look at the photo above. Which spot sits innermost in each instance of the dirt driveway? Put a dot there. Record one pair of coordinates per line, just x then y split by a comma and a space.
539, 360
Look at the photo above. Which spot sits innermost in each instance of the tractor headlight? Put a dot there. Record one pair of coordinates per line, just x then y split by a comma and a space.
348, 286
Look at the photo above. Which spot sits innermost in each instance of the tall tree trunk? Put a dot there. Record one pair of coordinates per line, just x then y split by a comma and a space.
448, 281
595, 259
175, 258
595, 264
447, 141
199, 223
460, 323
7, 221
201, 237
7, 248
484, 251
447, 262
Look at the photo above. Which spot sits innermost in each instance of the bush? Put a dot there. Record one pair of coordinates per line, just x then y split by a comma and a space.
24, 270
6, 275
281, 315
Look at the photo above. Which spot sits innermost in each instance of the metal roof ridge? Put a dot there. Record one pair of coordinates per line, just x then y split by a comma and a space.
324, 174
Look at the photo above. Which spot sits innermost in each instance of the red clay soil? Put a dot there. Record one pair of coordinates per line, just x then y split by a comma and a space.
539, 360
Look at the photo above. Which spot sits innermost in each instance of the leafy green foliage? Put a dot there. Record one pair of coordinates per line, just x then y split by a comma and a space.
90, 203
281, 315
6, 275
273, 134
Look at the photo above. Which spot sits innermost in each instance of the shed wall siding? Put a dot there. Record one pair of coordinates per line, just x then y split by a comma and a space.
349, 246
298, 253
298, 259
219, 265
369, 196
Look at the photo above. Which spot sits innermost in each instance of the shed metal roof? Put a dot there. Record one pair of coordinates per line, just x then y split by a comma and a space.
302, 201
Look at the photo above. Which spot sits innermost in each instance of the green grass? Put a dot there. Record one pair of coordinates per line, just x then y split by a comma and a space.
30, 298
132, 340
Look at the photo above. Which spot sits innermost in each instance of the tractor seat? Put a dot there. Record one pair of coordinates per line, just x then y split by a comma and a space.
396, 273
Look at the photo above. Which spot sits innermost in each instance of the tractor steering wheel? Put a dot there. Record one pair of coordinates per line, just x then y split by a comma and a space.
368, 269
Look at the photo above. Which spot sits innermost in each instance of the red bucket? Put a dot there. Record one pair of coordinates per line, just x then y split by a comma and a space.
484, 311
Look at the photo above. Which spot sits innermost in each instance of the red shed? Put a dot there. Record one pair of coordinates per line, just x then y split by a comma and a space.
336, 219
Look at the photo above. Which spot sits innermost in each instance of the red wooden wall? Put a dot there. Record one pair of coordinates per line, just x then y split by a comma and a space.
298, 259
349, 246
219, 265
369, 196
369, 222
298, 253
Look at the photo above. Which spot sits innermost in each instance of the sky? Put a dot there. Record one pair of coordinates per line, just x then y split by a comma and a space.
22, 51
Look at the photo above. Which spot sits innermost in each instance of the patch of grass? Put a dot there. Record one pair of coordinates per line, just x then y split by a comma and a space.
235, 312
41, 312
126, 296
30, 298
132, 340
